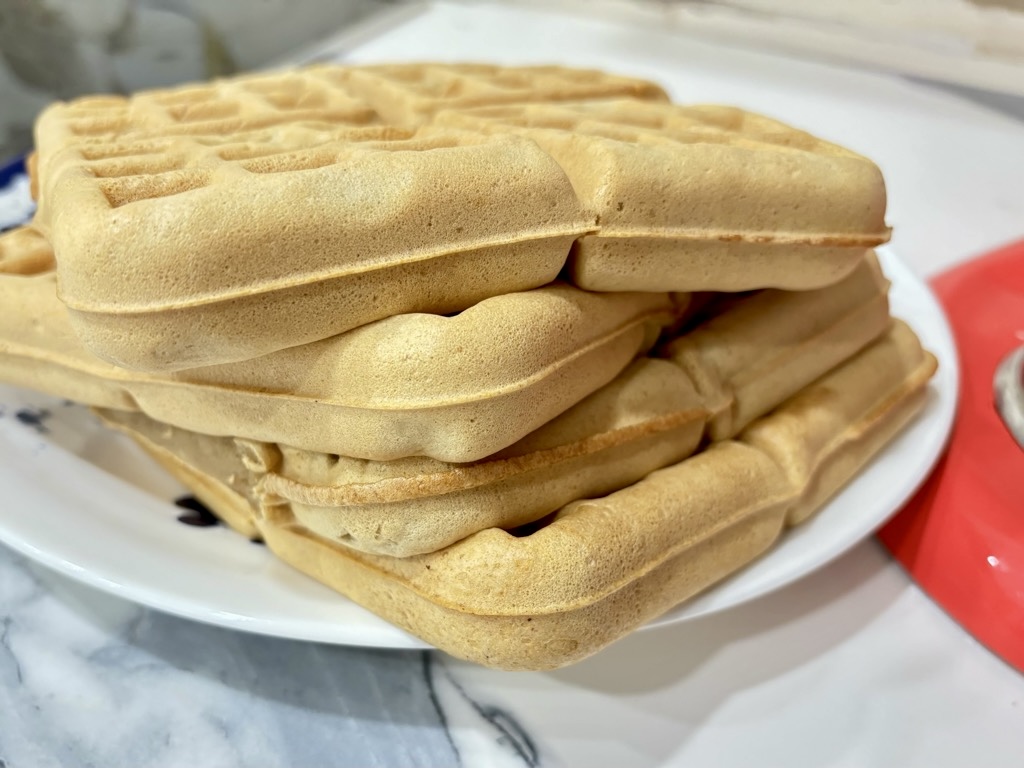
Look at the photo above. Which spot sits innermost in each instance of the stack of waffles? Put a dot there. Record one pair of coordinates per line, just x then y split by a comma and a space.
516, 358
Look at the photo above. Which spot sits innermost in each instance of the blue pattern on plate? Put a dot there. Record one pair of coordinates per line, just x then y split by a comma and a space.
10, 169
16, 206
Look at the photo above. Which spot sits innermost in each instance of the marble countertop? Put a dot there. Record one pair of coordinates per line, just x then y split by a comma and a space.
852, 666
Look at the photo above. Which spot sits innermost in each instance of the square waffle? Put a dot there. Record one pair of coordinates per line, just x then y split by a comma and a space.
188, 223
701, 198
188, 250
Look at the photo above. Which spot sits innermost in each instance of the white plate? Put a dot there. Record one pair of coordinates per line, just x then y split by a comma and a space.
87, 503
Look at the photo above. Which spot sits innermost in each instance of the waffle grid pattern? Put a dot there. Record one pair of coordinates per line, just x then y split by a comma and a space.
162, 143
647, 123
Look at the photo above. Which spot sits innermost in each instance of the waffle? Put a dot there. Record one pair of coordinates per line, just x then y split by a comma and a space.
452, 388
701, 198
192, 250
326, 95
549, 596
189, 222
189, 227
650, 416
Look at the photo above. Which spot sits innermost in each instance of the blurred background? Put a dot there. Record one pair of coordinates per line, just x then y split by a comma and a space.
57, 49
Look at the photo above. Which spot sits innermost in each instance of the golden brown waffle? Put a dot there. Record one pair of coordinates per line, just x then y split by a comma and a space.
189, 250
219, 222
404, 95
701, 198
648, 417
597, 569
182, 242
456, 388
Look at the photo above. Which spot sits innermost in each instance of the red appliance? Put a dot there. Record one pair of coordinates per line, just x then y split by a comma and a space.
961, 538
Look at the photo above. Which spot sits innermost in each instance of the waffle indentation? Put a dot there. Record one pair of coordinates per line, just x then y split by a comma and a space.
130, 189
297, 99
99, 124
135, 165
291, 161
185, 96
202, 111
103, 150
245, 151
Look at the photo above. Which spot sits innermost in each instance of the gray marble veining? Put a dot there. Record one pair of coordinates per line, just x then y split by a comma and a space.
90, 680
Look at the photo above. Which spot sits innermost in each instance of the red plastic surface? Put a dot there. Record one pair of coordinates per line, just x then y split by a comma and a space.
961, 537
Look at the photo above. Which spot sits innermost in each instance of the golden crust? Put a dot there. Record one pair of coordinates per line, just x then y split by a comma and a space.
189, 224
599, 568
